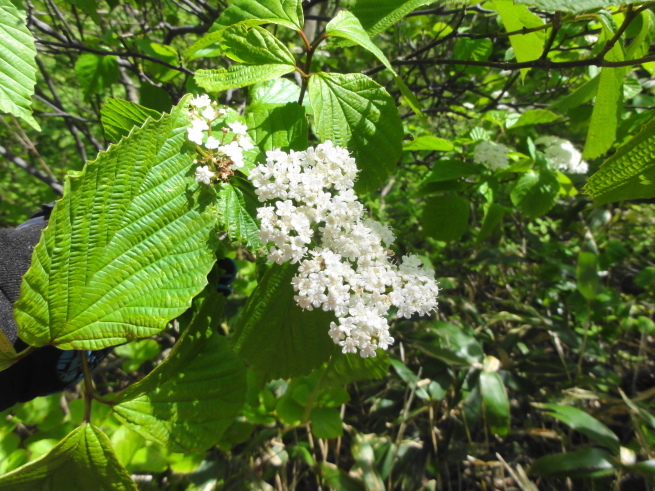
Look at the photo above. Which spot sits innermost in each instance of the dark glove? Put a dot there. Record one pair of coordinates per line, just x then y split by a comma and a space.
46, 370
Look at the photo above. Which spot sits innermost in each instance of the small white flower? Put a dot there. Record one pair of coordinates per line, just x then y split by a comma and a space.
238, 128
493, 155
212, 143
200, 101
245, 143
208, 113
204, 174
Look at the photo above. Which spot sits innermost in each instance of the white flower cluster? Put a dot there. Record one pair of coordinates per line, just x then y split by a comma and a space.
220, 156
493, 155
316, 220
563, 155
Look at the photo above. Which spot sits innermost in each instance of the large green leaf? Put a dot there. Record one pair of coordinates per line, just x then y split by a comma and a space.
377, 15
17, 65
429, 142
346, 26
96, 72
355, 112
84, 459
451, 344
609, 99
629, 173
188, 401
286, 13
527, 47
535, 192
572, 6
119, 117
495, 402
237, 76
445, 170
274, 126
275, 336
345, 369
535, 116
127, 247
589, 462
255, 46
277, 91
580, 421
446, 218
237, 212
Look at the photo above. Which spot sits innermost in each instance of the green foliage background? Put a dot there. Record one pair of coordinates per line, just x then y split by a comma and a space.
537, 367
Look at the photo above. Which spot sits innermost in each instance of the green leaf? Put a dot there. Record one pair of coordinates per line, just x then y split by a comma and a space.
446, 218
273, 126
587, 274
188, 401
119, 117
275, 336
472, 49
492, 218
339, 479
355, 112
237, 212
535, 116
429, 142
580, 421
237, 76
527, 47
286, 13
535, 192
96, 72
17, 65
89, 7
410, 98
209, 41
629, 173
277, 91
584, 93
345, 25
255, 46
376, 15
609, 99
646, 467
162, 52
82, 460
326, 422
495, 402
589, 462
127, 247
346, 369
445, 170
7, 352
451, 344
571, 6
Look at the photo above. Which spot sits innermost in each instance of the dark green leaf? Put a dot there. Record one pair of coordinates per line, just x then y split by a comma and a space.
326, 422
377, 15
535, 116
571, 6
347, 369
492, 218
590, 462
451, 344
587, 274
96, 72
495, 402
237, 212
446, 217
445, 170
535, 192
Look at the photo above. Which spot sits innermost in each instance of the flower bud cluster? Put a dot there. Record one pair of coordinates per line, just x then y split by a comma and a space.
562, 155
315, 219
222, 155
493, 155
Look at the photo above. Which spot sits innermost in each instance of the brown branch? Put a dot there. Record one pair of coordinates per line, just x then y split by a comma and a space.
30, 169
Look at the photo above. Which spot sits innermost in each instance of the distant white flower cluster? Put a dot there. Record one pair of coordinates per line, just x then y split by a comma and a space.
220, 156
493, 155
316, 220
563, 155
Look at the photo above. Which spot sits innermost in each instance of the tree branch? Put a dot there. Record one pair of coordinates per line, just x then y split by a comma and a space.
30, 169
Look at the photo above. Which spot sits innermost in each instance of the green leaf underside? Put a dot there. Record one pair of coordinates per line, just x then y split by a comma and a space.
446, 218
527, 47
580, 421
17, 65
278, 91
255, 46
535, 116
535, 192
345, 25
273, 126
629, 173
589, 462
237, 76
609, 99
275, 336
119, 117
237, 212
196, 49
377, 15
127, 247
286, 13
355, 112
429, 142
190, 399
495, 402
571, 6
84, 459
